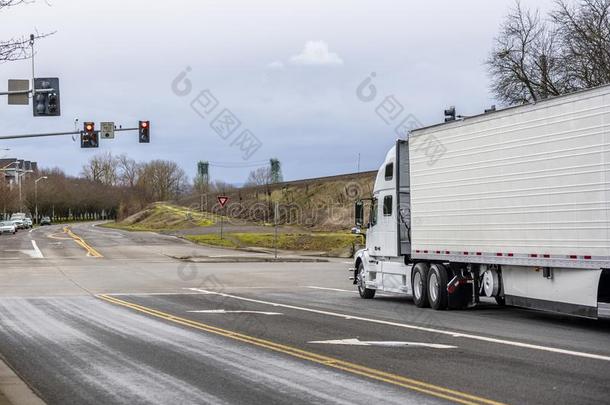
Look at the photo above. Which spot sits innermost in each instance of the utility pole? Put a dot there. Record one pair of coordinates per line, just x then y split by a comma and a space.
19, 173
202, 180
275, 215
276, 171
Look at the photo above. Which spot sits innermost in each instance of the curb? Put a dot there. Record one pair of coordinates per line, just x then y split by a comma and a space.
13, 390
247, 259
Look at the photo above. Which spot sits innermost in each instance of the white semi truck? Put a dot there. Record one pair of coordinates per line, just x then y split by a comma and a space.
512, 204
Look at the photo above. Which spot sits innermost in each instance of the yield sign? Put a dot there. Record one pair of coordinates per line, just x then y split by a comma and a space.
222, 200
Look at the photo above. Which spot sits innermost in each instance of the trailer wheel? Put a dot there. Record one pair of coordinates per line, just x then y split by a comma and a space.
437, 286
366, 293
419, 284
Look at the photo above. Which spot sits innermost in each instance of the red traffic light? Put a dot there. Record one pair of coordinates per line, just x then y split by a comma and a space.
144, 131
89, 126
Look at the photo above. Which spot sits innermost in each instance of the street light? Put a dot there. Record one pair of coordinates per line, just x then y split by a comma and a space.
17, 177
12, 163
36, 196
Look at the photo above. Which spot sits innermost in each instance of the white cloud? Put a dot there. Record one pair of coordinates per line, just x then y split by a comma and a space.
276, 65
316, 53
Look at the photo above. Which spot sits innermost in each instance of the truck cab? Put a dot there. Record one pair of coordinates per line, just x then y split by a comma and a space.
383, 263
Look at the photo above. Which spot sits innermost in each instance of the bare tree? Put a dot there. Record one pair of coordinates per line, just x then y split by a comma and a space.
584, 36
101, 168
128, 171
18, 47
219, 186
523, 64
161, 180
533, 59
259, 177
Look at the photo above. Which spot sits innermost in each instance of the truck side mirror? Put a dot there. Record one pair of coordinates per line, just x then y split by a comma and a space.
359, 211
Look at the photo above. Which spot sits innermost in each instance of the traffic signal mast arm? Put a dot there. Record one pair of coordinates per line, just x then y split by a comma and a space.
57, 134
8, 93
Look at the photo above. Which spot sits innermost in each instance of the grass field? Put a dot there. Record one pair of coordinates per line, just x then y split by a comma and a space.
165, 217
332, 243
169, 218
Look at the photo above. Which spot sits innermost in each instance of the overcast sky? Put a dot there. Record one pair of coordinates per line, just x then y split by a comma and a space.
287, 70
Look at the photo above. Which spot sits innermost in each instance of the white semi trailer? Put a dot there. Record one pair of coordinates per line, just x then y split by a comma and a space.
512, 204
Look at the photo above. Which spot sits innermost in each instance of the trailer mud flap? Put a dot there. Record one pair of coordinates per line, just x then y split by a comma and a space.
459, 291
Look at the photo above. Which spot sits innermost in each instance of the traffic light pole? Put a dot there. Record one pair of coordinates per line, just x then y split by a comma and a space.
56, 134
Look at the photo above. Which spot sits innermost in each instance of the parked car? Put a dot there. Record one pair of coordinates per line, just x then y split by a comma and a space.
19, 224
45, 221
28, 222
20, 219
7, 227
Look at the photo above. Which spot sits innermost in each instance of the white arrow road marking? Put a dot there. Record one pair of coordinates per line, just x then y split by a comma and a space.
224, 311
34, 254
357, 342
37, 252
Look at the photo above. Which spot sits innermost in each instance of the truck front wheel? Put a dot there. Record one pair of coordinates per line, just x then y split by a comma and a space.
419, 283
364, 292
437, 286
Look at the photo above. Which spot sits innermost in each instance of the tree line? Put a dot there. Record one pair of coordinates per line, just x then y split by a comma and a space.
108, 187
535, 57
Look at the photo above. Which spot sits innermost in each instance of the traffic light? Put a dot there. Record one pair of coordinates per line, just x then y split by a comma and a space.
89, 137
450, 114
46, 97
144, 132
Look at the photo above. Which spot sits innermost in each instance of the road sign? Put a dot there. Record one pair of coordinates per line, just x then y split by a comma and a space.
107, 130
21, 86
222, 200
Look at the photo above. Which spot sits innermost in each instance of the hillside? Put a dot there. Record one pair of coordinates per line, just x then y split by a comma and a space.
320, 204
315, 215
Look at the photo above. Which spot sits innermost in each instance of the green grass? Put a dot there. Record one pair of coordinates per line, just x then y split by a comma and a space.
332, 242
165, 217
213, 239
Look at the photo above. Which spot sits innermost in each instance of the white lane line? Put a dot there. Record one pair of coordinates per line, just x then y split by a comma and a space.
224, 311
34, 254
329, 289
415, 327
358, 342
143, 294
350, 291
37, 252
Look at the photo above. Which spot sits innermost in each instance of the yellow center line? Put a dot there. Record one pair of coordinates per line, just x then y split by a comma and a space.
405, 382
80, 241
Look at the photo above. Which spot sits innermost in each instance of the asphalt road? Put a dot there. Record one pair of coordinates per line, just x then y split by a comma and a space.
104, 316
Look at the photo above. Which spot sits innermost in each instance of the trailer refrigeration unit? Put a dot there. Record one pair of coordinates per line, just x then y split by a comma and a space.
512, 204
